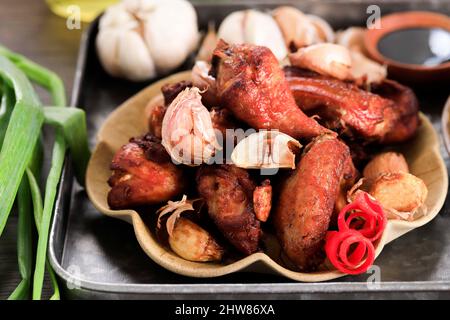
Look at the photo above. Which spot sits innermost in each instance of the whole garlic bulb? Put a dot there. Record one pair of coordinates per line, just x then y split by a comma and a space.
140, 39
253, 27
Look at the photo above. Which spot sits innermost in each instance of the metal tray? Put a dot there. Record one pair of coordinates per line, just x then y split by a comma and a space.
98, 257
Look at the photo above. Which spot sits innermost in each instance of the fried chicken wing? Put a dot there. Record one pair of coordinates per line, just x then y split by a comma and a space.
228, 192
252, 85
388, 115
307, 199
143, 174
406, 109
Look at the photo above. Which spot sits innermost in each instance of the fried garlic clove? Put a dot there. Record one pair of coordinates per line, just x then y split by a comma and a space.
324, 58
266, 149
187, 131
262, 200
401, 194
386, 162
193, 243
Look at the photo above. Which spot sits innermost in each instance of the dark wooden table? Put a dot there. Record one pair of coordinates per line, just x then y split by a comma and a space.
28, 27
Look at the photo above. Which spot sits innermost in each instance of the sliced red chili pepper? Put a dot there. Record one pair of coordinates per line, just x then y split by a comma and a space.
339, 251
363, 215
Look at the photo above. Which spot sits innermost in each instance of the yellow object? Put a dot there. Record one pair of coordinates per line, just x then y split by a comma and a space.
87, 10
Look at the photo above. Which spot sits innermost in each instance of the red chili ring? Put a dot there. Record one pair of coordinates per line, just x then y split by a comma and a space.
370, 211
338, 246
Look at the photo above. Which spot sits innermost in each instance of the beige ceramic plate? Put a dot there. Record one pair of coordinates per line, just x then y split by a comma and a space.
127, 121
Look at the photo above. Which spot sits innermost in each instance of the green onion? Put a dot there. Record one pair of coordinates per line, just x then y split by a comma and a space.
38, 211
20, 138
38, 74
24, 242
70, 131
72, 122
59, 151
6, 107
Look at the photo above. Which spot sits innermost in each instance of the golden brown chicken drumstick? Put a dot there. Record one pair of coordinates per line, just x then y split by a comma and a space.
307, 199
228, 192
252, 85
143, 174
389, 115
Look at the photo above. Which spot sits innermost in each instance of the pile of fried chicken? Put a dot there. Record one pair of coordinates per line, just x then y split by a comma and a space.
340, 123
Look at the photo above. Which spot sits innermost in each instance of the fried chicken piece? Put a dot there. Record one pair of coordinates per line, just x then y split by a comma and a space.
228, 192
406, 109
307, 199
171, 90
252, 85
348, 180
143, 174
387, 116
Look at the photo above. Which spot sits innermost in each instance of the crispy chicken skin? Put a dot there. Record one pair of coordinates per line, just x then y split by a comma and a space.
387, 116
307, 199
143, 174
406, 109
252, 85
171, 90
228, 192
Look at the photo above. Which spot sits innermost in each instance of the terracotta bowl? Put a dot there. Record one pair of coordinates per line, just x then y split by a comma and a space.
411, 73
422, 154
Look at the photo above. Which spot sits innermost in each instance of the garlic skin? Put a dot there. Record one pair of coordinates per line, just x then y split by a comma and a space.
324, 31
351, 38
200, 77
363, 69
366, 69
297, 29
253, 27
324, 58
266, 150
187, 131
140, 39
207, 84
208, 45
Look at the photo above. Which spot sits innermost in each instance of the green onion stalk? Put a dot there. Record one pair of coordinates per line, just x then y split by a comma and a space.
21, 118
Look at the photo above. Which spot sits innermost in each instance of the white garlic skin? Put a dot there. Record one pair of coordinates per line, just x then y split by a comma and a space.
140, 39
265, 150
296, 27
187, 131
253, 27
324, 58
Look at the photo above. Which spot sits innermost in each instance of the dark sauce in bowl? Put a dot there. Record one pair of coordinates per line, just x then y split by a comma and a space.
421, 46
